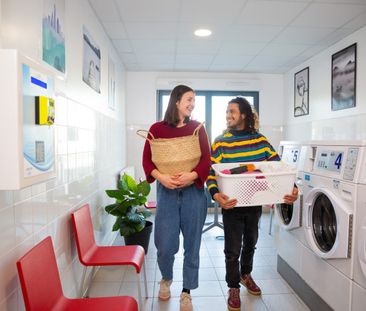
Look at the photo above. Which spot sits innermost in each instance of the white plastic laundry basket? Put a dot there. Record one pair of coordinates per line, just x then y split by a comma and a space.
269, 187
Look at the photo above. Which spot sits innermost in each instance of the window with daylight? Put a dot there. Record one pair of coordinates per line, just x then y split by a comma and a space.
210, 107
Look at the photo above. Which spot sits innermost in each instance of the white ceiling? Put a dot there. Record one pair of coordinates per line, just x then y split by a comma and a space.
269, 36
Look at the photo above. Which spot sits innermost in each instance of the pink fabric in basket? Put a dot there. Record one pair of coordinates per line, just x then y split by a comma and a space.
259, 184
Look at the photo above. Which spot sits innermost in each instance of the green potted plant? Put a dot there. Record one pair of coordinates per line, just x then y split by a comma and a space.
130, 212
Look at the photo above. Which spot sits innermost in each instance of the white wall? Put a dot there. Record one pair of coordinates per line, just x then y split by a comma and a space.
141, 102
0, 24
90, 148
322, 122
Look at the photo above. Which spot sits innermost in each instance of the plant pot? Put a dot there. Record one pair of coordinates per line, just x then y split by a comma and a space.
141, 238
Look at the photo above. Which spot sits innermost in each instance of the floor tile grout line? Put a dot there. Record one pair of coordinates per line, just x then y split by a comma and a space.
213, 257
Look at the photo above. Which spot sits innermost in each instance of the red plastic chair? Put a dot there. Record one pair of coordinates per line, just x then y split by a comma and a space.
150, 204
90, 254
41, 285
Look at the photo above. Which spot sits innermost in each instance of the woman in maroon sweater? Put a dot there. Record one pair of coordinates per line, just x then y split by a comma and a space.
181, 200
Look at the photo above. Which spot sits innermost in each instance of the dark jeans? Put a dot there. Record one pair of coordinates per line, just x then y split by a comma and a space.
241, 235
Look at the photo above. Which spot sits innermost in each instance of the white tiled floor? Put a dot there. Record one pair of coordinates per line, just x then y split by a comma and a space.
211, 294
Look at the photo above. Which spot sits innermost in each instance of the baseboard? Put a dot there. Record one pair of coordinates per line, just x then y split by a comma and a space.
303, 290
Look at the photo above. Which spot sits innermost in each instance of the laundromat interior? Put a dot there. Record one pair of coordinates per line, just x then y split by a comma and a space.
78, 79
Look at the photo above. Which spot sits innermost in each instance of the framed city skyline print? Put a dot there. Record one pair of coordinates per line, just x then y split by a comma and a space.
53, 35
344, 78
301, 92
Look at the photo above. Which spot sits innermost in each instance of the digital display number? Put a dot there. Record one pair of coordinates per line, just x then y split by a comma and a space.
330, 160
295, 155
291, 155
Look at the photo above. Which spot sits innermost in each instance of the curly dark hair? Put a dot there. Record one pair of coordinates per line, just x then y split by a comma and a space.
171, 114
246, 109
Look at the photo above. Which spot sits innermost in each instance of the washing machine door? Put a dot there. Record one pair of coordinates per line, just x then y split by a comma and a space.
290, 215
362, 247
327, 224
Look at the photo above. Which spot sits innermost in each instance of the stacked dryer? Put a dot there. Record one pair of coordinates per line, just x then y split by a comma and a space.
333, 261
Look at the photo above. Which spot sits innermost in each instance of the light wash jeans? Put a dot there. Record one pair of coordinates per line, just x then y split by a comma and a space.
180, 210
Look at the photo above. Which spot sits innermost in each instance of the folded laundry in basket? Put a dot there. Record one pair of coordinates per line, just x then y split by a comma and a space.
243, 168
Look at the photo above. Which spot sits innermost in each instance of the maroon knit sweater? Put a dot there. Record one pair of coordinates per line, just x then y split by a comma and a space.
163, 130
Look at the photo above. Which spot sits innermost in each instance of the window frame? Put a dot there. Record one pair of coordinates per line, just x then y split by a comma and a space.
208, 107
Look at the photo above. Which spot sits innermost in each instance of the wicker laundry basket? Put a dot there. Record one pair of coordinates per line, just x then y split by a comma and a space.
174, 155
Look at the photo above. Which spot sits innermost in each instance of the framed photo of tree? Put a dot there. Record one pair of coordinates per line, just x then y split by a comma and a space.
344, 78
301, 92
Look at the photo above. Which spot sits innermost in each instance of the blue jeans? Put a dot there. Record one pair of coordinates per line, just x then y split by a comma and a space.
180, 210
241, 236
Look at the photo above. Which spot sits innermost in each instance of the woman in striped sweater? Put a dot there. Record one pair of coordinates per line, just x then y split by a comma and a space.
241, 142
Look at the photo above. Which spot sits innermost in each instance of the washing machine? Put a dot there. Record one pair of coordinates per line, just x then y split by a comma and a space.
290, 237
359, 260
331, 185
358, 297
290, 216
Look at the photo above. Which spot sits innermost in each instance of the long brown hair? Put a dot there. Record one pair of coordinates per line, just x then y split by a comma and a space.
171, 115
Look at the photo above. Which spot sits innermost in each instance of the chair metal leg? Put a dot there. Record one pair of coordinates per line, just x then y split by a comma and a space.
145, 281
216, 222
141, 305
81, 290
89, 282
84, 293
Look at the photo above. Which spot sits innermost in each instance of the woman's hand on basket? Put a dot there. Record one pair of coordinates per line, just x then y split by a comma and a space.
291, 198
224, 201
168, 181
185, 179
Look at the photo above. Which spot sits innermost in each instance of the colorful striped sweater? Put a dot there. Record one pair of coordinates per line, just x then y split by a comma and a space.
239, 146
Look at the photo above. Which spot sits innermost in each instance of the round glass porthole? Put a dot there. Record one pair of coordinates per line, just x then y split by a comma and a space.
324, 223
286, 211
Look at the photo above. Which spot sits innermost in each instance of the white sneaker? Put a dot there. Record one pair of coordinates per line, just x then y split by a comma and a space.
185, 302
164, 290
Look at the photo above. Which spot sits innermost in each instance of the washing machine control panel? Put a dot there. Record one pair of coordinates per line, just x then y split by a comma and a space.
329, 160
351, 162
336, 161
290, 155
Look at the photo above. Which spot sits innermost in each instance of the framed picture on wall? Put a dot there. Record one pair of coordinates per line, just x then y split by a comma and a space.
53, 33
91, 61
344, 78
111, 84
301, 92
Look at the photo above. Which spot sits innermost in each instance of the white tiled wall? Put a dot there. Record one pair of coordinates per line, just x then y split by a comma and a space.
88, 159
341, 128
322, 122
